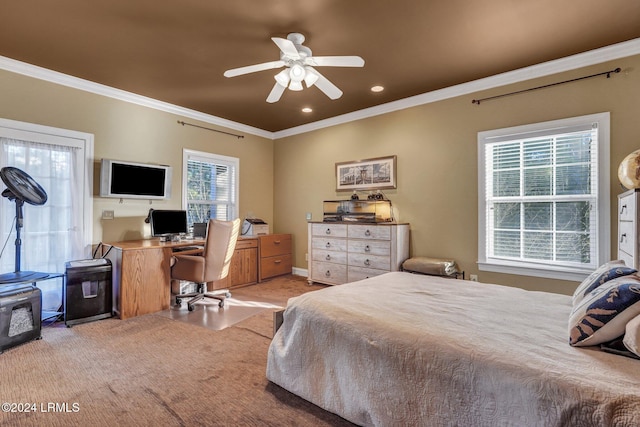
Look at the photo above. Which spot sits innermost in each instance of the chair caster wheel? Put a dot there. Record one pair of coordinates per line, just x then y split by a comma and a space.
228, 295
221, 304
178, 301
190, 307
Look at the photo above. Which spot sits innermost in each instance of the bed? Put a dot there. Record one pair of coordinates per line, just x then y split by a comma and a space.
407, 349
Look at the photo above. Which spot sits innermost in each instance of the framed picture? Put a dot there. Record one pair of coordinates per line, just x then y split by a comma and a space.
368, 174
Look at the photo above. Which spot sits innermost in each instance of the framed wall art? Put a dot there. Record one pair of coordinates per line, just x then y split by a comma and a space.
368, 174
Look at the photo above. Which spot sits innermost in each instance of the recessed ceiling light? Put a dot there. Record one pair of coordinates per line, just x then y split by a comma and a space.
377, 89
307, 110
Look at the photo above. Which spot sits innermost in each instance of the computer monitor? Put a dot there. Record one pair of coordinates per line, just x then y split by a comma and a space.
167, 222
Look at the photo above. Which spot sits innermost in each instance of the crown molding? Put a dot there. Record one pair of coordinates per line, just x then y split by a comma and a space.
51, 76
593, 57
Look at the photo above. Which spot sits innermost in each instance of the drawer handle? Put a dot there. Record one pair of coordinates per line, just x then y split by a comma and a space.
367, 248
328, 231
623, 237
276, 242
328, 273
277, 261
622, 209
328, 257
328, 245
367, 233
366, 262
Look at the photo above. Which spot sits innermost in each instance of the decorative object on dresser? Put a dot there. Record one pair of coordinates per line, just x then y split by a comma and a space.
275, 255
346, 252
629, 171
628, 208
369, 174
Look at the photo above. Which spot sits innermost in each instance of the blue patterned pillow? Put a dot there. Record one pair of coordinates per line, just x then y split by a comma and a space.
604, 313
602, 274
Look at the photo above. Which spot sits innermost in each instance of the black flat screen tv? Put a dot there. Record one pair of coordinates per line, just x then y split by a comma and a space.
132, 180
167, 222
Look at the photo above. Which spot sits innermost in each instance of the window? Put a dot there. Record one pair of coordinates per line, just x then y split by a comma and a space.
210, 186
61, 162
544, 198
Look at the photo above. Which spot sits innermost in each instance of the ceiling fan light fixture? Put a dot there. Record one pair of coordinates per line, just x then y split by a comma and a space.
283, 78
295, 85
297, 73
310, 78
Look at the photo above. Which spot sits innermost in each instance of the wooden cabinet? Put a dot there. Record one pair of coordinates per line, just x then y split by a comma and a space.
341, 253
275, 255
628, 241
244, 265
141, 277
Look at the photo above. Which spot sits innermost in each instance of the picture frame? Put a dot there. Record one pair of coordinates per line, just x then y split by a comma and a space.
368, 174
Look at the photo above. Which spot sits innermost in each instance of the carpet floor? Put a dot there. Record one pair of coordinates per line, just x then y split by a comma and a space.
153, 370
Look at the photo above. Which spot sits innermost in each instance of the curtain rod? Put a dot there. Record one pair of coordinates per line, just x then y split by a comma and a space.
213, 130
607, 73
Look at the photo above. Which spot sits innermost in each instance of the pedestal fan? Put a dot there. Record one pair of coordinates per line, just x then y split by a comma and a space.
21, 188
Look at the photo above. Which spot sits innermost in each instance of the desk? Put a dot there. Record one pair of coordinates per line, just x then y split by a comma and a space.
33, 277
142, 272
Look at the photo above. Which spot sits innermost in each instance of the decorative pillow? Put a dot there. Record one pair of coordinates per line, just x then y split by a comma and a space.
603, 314
602, 274
632, 336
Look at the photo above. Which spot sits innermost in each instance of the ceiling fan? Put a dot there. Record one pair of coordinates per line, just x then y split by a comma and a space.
299, 64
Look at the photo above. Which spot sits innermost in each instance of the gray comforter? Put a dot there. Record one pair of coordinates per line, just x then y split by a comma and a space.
404, 349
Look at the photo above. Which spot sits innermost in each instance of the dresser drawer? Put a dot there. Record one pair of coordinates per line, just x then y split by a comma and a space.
360, 273
275, 266
330, 256
626, 238
275, 244
328, 229
628, 259
369, 261
376, 232
370, 247
627, 207
329, 244
327, 272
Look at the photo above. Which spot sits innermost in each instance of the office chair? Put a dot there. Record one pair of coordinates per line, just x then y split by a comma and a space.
212, 265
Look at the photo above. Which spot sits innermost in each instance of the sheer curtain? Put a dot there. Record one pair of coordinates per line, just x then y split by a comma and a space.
51, 234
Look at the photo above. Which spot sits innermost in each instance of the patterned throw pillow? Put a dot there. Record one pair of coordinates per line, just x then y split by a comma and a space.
602, 274
604, 313
632, 336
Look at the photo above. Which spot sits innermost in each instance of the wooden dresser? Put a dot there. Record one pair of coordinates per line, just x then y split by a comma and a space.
275, 255
346, 252
628, 241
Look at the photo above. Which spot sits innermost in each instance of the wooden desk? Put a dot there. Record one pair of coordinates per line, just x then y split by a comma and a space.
142, 272
142, 275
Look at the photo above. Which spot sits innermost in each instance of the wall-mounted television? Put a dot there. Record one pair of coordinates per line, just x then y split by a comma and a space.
132, 180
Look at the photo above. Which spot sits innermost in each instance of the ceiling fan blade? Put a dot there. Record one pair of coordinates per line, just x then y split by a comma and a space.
287, 47
325, 85
336, 61
253, 68
275, 93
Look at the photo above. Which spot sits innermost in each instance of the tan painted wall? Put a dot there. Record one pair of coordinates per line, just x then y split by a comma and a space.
436, 145
125, 131
280, 181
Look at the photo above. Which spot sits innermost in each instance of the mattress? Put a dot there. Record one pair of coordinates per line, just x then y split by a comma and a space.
406, 349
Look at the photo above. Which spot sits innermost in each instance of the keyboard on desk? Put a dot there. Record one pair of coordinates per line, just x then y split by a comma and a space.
187, 248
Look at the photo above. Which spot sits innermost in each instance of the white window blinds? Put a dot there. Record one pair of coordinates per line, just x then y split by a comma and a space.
211, 187
541, 196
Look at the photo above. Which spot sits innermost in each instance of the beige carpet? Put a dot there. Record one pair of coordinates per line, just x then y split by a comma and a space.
152, 371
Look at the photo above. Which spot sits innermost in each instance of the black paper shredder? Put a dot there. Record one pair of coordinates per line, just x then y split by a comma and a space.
88, 291
20, 314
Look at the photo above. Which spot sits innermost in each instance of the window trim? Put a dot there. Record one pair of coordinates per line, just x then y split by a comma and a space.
213, 158
604, 212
